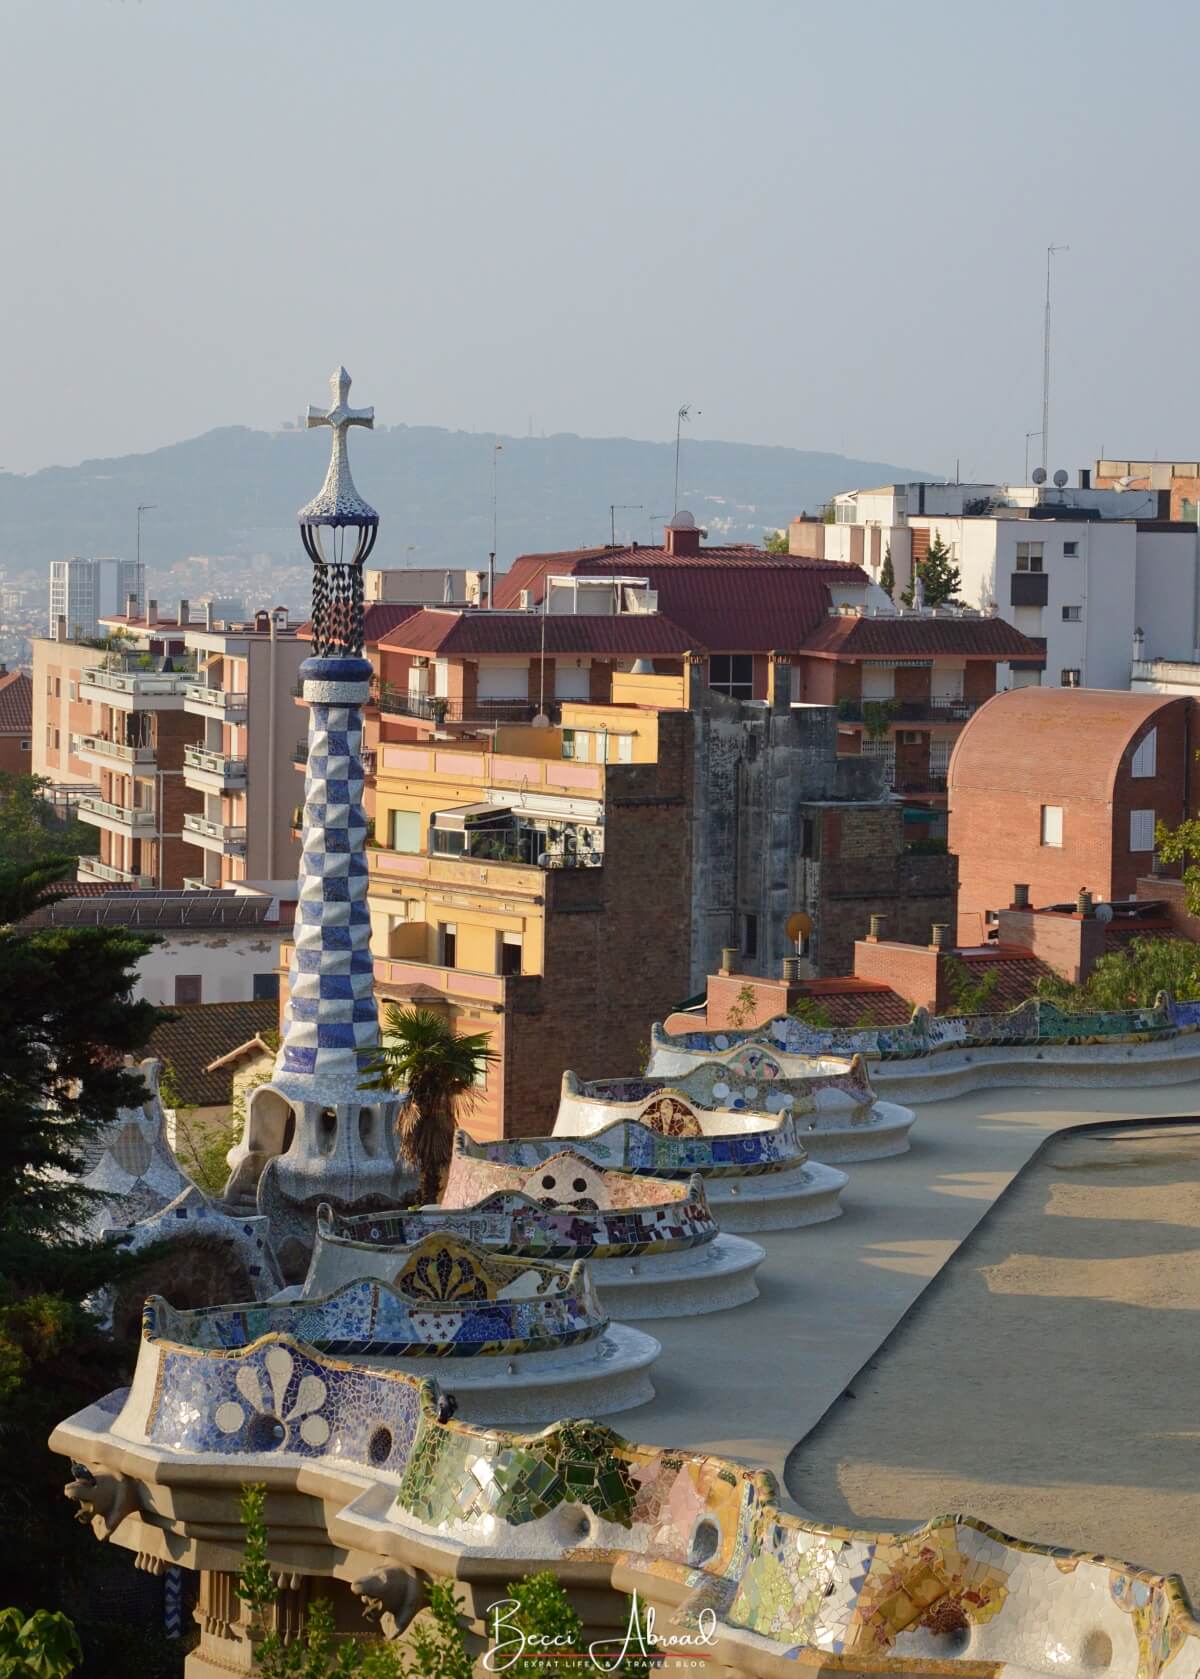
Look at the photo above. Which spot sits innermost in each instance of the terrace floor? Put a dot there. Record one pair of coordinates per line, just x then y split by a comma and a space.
931, 1429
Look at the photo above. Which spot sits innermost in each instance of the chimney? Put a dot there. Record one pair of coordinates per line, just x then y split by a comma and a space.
1139, 645
185, 613
791, 968
682, 535
1083, 903
60, 627
939, 936
1085, 478
728, 958
262, 621
1020, 896
878, 928
151, 612
131, 606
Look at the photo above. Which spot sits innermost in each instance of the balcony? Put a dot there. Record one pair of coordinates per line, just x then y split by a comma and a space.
452, 982
95, 749
213, 771
91, 868
903, 712
200, 700
396, 702
215, 836
135, 690
117, 819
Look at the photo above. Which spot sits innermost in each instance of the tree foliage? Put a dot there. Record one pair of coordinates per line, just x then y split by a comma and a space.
775, 542
31, 831
887, 574
1182, 845
969, 995
940, 577
438, 1067
43, 1645
1131, 978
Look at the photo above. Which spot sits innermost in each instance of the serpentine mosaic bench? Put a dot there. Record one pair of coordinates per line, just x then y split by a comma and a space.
835, 1113
756, 1176
653, 1248
525, 1337
703, 1538
1035, 1022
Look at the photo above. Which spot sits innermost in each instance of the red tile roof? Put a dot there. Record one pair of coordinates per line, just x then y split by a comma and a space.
851, 1001
630, 635
528, 571
16, 703
1017, 974
846, 636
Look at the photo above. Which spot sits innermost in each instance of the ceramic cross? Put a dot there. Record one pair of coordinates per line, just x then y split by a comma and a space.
341, 414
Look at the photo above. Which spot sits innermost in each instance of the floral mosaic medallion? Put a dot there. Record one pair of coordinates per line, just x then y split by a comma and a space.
281, 1413
447, 1271
671, 1117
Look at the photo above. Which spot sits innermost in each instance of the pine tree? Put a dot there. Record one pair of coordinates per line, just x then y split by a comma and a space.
939, 576
887, 574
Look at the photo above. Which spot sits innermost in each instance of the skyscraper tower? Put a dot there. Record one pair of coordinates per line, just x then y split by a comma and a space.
331, 1140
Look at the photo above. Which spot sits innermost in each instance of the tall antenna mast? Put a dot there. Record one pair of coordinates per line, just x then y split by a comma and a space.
1052, 250
685, 413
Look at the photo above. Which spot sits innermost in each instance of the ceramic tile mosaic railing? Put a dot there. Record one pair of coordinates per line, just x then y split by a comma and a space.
568, 1217
450, 1299
746, 1078
1034, 1022
478, 1169
953, 1589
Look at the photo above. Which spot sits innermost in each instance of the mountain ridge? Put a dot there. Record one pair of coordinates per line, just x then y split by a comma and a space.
234, 490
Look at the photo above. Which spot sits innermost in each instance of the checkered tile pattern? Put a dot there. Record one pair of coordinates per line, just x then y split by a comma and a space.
331, 1022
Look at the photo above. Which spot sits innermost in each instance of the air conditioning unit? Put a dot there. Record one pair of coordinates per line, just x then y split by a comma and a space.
420, 662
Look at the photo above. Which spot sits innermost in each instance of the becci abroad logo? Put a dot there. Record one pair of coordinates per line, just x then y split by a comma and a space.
510, 1647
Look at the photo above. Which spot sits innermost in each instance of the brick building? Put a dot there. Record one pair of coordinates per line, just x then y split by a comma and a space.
1062, 788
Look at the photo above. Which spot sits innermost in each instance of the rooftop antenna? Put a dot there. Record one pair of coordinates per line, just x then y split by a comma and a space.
685, 413
1029, 436
1052, 251
497, 449
615, 507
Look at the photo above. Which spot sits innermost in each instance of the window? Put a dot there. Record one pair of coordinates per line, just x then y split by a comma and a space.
26, 745
58, 688
1072, 614
1029, 556
1070, 678
266, 988
845, 513
447, 944
732, 674
448, 842
1052, 825
808, 837
749, 935
624, 749
510, 953
1141, 830
56, 740
575, 745
1071, 550
1145, 757
188, 988
405, 830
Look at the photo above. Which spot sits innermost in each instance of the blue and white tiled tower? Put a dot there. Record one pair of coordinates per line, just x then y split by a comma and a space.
332, 1140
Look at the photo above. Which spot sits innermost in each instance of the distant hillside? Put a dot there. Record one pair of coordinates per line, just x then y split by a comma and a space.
235, 491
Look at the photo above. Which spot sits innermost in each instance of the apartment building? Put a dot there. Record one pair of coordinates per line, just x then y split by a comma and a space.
60, 716
1077, 568
16, 722
903, 686
240, 766
132, 736
1178, 481
83, 591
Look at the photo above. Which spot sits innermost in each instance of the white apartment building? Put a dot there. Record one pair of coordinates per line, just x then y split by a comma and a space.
82, 591
1077, 568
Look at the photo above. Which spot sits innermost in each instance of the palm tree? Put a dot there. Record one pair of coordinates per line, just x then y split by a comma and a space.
423, 1054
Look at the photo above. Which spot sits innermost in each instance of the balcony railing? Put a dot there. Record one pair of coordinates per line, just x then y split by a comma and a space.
230, 770
396, 702
230, 839
92, 807
97, 746
907, 711
223, 700
91, 868
136, 682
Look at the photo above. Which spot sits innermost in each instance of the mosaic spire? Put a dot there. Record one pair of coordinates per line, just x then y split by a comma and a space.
342, 1144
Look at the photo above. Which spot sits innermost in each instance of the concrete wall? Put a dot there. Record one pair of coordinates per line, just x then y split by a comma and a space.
1165, 597
226, 958
273, 788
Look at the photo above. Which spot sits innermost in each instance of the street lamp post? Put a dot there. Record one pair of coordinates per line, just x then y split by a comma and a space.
143, 507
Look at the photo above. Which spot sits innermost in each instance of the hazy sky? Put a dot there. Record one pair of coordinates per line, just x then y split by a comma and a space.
824, 225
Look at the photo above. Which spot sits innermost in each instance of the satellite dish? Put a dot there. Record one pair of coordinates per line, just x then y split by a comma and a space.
1103, 913
1038, 475
799, 925
541, 721
683, 521
1060, 478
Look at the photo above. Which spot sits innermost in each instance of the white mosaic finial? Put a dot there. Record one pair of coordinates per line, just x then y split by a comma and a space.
338, 500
